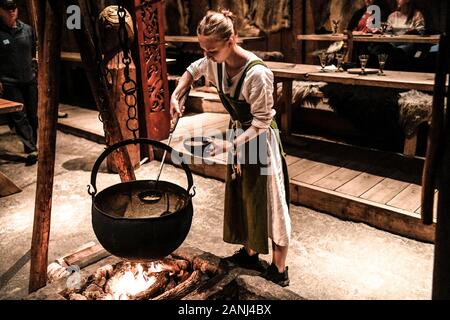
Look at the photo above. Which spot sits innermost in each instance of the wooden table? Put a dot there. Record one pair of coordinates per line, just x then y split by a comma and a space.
393, 79
430, 39
7, 106
7, 186
287, 72
369, 37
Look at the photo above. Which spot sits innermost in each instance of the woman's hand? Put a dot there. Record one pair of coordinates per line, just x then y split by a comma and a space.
218, 146
175, 110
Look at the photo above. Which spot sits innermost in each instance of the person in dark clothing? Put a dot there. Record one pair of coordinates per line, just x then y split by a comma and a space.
17, 75
358, 22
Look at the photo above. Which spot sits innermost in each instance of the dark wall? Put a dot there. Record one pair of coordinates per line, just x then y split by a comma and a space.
303, 21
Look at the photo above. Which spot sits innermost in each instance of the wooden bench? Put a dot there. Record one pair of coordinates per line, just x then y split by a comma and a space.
7, 186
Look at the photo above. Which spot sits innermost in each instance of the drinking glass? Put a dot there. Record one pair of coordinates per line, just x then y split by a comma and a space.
382, 57
384, 26
323, 60
336, 26
363, 58
339, 59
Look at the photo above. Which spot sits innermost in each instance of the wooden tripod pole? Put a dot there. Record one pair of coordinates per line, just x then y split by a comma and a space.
48, 79
100, 91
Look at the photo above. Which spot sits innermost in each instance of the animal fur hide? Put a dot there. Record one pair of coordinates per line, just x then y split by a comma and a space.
270, 15
415, 109
304, 93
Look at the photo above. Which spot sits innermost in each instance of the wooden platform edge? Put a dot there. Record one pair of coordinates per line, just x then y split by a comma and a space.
382, 217
7, 186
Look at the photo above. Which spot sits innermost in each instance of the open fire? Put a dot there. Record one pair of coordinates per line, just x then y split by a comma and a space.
188, 273
132, 281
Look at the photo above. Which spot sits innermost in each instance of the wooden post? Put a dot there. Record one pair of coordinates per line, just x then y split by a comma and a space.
154, 117
441, 272
100, 91
48, 79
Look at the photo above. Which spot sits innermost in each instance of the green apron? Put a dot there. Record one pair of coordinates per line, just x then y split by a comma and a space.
245, 219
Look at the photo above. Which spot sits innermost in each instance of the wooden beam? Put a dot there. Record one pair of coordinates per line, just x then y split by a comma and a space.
48, 79
441, 271
100, 91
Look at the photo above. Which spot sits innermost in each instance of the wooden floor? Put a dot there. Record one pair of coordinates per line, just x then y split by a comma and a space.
378, 188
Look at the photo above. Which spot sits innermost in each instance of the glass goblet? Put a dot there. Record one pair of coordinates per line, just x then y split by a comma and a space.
339, 60
382, 57
384, 26
363, 58
323, 60
336, 26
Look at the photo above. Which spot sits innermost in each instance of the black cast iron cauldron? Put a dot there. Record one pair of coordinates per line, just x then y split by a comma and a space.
143, 235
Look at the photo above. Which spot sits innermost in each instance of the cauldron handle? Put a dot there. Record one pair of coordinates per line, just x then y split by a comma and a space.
154, 143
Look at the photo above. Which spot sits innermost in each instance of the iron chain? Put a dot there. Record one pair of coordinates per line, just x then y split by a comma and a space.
129, 85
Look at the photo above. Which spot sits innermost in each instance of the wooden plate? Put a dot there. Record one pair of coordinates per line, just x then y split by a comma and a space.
358, 71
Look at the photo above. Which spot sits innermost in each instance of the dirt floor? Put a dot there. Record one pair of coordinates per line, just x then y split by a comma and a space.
328, 258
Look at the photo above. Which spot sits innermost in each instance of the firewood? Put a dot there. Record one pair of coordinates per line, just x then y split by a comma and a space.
107, 296
172, 284
93, 292
103, 274
208, 286
174, 265
55, 271
161, 281
183, 276
182, 289
77, 296
75, 285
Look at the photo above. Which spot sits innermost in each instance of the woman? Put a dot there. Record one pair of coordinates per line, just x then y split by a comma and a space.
256, 203
407, 19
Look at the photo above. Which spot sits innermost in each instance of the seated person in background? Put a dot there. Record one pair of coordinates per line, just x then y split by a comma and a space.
360, 19
406, 20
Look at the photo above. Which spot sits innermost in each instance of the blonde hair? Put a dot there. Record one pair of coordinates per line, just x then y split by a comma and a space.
219, 24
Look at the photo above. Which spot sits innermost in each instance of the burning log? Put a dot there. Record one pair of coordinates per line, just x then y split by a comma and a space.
160, 283
135, 282
182, 289
174, 265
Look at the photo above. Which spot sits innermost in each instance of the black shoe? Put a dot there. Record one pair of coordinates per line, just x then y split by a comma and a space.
243, 259
280, 278
32, 158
